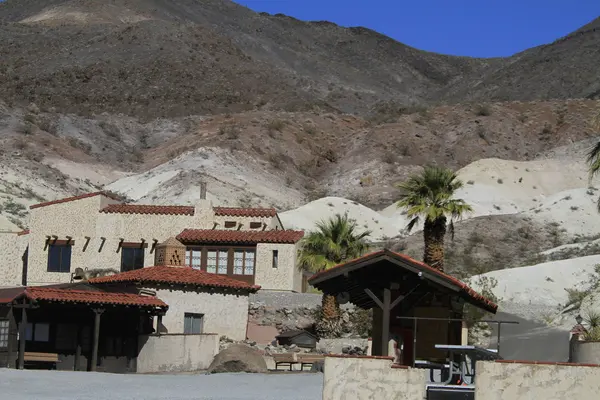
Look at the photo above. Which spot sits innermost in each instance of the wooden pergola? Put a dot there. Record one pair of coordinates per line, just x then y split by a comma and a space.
116, 314
397, 288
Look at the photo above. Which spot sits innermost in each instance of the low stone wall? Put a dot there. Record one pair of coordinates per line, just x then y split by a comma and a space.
585, 352
337, 346
365, 378
176, 352
522, 380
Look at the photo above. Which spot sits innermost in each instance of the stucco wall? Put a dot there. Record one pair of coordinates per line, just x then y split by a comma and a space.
245, 221
286, 276
521, 381
586, 352
365, 378
12, 247
224, 314
176, 353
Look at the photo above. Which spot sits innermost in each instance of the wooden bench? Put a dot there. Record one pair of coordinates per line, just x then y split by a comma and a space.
309, 359
285, 359
31, 357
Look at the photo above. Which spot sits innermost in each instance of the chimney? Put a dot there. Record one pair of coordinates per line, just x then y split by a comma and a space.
202, 190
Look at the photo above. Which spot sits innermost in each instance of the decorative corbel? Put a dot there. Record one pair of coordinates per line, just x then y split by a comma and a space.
121, 240
87, 241
102, 241
154, 243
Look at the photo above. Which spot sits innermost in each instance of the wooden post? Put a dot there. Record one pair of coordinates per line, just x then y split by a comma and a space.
158, 324
385, 331
77, 362
22, 330
98, 312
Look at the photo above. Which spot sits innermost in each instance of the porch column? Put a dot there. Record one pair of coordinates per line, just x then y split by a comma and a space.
22, 329
97, 313
385, 329
77, 361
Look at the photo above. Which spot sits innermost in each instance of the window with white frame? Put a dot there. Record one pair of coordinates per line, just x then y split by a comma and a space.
3, 333
243, 262
193, 257
216, 261
193, 323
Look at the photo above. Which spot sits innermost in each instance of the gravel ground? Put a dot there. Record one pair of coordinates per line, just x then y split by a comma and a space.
58, 385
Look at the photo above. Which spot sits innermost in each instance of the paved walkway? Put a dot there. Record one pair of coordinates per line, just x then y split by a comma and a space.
61, 385
530, 341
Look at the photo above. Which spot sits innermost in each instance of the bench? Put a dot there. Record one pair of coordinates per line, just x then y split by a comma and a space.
32, 357
309, 359
285, 359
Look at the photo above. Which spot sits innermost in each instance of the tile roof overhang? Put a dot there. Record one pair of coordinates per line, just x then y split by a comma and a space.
377, 270
245, 212
91, 297
147, 209
216, 236
177, 275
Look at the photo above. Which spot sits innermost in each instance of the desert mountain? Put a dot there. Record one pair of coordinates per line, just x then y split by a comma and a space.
183, 57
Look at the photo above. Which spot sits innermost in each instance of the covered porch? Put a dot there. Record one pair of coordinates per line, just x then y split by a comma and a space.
75, 327
414, 304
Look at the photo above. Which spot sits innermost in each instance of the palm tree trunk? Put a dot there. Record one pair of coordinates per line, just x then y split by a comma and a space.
330, 323
433, 233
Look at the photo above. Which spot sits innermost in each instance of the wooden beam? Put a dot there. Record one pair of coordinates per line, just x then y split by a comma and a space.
385, 329
375, 299
97, 313
22, 340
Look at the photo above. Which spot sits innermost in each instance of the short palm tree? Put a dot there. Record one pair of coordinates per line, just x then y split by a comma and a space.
335, 241
430, 196
593, 157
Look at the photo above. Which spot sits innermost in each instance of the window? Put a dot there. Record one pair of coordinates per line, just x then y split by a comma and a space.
275, 258
3, 333
243, 262
132, 258
255, 225
193, 323
230, 224
193, 258
37, 332
59, 258
216, 261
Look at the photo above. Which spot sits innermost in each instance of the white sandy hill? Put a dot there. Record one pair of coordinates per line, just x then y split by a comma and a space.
233, 179
307, 216
538, 290
100, 13
573, 210
494, 186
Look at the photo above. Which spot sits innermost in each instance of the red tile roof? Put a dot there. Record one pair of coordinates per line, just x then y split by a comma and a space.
239, 237
39, 293
65, 200
483, 301
148, 209
245, 212
176, 275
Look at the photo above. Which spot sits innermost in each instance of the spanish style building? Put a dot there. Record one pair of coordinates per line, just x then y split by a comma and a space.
96, 231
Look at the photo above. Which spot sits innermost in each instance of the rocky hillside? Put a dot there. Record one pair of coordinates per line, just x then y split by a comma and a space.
173, 58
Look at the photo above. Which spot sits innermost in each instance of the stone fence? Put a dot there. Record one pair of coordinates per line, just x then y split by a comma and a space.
176, 352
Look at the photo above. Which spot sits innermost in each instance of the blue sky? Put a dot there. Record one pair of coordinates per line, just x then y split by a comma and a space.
478, 28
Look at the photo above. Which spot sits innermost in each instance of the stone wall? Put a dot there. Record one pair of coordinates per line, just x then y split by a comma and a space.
224, 314
513, 380
342, 346
366, 378
176, 353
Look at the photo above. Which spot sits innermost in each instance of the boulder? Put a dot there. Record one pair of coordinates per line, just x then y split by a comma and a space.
238, 358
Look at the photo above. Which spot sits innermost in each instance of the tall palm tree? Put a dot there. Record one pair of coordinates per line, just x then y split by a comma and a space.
429, 196
335, 241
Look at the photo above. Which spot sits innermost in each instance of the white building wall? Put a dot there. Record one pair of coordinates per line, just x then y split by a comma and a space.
224, 314
286, 276
12, 247
176, 353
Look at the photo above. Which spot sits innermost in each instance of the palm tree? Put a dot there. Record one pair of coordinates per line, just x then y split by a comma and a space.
593, 157
335, 241
429, 195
